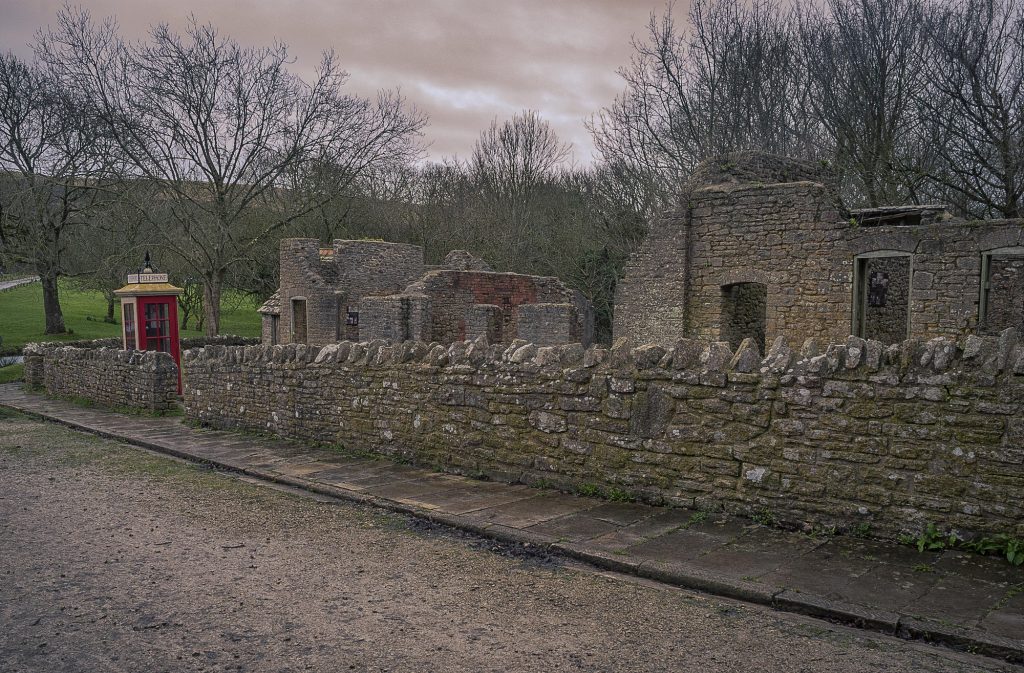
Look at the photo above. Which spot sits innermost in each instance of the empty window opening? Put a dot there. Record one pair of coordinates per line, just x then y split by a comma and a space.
351, 332
1002, 290
882, 297
744, 311
299, 321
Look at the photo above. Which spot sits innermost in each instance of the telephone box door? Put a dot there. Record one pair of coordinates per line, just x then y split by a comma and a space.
158, 326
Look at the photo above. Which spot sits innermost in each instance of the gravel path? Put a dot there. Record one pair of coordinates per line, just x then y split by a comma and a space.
17, 282
113, 559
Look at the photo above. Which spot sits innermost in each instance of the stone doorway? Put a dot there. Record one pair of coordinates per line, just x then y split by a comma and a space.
881, 302
744, 313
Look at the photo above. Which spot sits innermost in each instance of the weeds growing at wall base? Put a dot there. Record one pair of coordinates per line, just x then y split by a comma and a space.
932, 538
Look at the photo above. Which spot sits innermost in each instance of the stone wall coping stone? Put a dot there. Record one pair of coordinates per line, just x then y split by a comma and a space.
976, 356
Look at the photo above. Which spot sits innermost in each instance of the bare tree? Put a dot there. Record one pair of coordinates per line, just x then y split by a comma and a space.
974, 104
511, 165
238, 145
863, 65
726, 83
53, 161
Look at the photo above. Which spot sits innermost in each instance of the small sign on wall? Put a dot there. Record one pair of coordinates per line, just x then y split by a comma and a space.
878, 287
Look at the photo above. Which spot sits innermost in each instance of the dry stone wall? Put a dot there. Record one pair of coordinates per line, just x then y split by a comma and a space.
144, 380
896, 436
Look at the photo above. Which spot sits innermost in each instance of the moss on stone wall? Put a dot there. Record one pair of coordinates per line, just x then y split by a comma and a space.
835, 435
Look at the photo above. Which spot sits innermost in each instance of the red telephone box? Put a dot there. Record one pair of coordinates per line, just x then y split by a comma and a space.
149, 314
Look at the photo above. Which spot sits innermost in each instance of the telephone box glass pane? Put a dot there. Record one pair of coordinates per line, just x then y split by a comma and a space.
129, 326
158, 328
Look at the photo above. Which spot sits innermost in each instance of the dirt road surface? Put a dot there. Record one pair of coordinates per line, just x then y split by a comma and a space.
114, 559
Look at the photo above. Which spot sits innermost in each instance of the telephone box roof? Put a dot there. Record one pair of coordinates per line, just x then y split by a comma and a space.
133, 289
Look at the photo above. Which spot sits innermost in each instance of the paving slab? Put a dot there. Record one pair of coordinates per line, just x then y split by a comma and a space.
889, 587
530, 511
1007, 618
409, 489
755, 553
677, 545
621, 513
956, 598
467, 499
574, 527
660, 522
823, 572
974, 599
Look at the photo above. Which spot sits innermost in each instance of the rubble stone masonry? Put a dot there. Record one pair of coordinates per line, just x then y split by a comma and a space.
98, 371
894, 436
143, 380
784, 235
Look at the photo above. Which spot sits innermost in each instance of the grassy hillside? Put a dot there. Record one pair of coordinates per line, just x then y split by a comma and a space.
21, 317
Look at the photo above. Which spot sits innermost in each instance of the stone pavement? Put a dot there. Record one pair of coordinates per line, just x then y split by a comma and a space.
962, 600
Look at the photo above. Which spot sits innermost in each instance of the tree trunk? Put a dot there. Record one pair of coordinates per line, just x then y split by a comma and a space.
51, 304
183, 314
211, 302
110, 308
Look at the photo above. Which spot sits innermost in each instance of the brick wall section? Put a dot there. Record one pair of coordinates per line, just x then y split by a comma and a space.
453, 294
144, 380
898, 436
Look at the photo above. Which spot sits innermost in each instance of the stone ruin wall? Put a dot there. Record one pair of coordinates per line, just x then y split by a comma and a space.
301, 277
789, 238
356, 269
895, 436
782, 236
448, 305
651, 295
141, 380
946, 280
742, 307
397, 298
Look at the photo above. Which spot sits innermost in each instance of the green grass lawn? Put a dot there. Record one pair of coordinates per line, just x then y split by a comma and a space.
21, 316
12, 373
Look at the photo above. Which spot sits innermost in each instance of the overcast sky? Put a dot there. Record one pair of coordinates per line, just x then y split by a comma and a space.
463, 62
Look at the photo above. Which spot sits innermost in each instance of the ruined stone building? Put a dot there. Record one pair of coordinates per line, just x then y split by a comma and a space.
759, 248
366, 290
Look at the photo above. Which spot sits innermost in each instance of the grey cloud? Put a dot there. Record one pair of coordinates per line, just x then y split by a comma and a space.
464, 62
